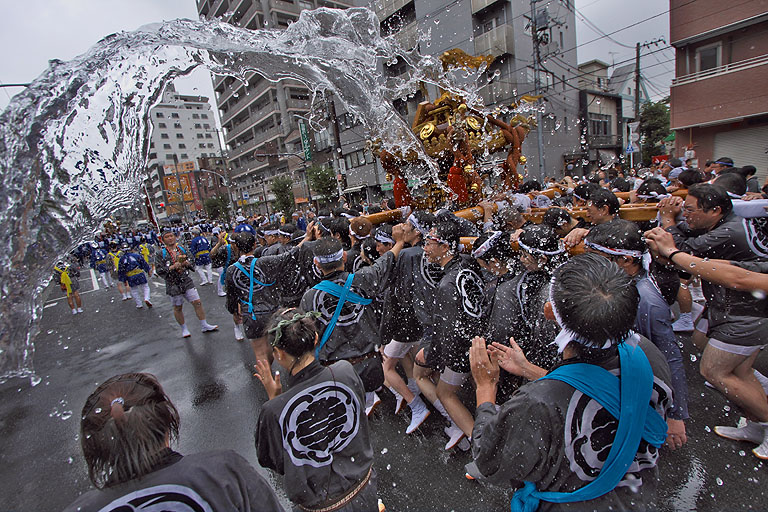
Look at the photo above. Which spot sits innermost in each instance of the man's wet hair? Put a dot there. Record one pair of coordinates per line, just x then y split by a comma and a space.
600, 198
501, 249
450, 232
690, 177
621, 184
125, 425
425, 218
556, 217
595, 298
374, 208
584, 190
288, 228
648, 188
709, 197
618, 234
327, 247
732, 182
297, 337
368, 247
543, 237
747, 171
340, 227
244, 241
530, 186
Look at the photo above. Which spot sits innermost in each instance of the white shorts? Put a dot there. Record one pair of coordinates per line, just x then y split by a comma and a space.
453, 378
398, 349
191, 295
740, 350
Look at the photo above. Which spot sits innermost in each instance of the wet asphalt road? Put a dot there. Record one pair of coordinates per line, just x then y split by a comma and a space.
209, 378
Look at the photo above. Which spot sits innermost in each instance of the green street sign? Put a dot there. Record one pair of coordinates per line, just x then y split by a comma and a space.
387, 186
305, 141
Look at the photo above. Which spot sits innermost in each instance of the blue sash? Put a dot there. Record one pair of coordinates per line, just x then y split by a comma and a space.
223, 275
165, 251
250, 291
344, 294
626, 399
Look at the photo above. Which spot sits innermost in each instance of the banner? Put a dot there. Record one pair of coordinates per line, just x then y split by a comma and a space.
172, 188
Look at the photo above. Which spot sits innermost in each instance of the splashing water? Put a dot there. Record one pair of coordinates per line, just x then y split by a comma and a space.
74, 144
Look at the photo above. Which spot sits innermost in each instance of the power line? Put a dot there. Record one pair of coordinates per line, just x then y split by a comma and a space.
596, 29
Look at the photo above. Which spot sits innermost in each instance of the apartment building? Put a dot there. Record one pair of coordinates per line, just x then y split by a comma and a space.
719, 98
502, 28
260, 118
183, 133
607, 106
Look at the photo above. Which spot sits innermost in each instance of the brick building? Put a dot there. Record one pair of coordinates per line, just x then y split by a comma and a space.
719, 97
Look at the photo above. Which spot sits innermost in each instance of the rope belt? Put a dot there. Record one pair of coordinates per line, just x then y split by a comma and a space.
134, 272
343, 501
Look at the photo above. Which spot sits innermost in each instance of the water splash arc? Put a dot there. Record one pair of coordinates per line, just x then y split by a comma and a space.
74, 144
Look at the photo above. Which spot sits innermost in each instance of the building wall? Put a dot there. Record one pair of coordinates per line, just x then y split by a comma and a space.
688, 19
183, 126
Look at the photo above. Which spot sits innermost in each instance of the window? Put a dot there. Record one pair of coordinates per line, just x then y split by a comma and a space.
174, 115
169, 156
201, 145
197, 126
184, 156
163, 135
182, 146
159, 115
177, 126
179, 135
199, 135
152, 156
208, 136
151, 145
599, 124
195, 116
204, 116
166, 146
210, 145
304, 4
206, 126
161, 125
709, 57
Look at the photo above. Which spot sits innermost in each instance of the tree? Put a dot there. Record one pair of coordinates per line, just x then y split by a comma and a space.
282, 187
323, 181
654, 127
217, 207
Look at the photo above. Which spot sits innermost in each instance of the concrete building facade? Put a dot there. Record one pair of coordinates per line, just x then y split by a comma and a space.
502, 28
718, 99
183, 133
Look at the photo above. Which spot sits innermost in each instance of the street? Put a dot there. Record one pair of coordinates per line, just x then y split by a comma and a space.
209, 379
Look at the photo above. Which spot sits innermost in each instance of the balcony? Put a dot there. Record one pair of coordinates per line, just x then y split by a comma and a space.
245, 99
408, 36
389, 7
603, 141
284, 7
496, 42
723, 94
260, 138
479, 5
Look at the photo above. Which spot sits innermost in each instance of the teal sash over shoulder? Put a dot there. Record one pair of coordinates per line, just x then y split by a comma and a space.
627, 399
344, 294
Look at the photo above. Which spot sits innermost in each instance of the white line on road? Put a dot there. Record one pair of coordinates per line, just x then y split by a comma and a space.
94, 280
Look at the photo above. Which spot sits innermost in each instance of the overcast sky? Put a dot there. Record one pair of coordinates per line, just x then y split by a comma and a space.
34, 31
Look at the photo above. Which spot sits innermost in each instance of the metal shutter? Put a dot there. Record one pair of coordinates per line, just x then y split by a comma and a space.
748, 146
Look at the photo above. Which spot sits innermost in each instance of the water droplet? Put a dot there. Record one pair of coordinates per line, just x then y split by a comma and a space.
693, 358
35, 380
719, 481
389, 466
66, 415
707, 429
70, 460
97, 410
384, 451
437, 21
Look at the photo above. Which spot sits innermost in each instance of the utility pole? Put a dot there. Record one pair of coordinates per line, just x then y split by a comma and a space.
638, 46
536, 88
337, 144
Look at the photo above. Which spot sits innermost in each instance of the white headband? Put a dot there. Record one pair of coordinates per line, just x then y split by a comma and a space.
271, 232
384, 238
352, 233
734, 196
284, 233
480, 251
566, 335
613, 252
653, 195
347, 216
416, 224
532, 250
330, 258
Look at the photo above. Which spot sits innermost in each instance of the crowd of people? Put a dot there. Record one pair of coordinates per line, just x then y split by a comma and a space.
578, 373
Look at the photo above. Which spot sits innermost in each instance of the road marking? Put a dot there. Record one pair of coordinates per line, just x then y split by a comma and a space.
53, 302
94, 280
